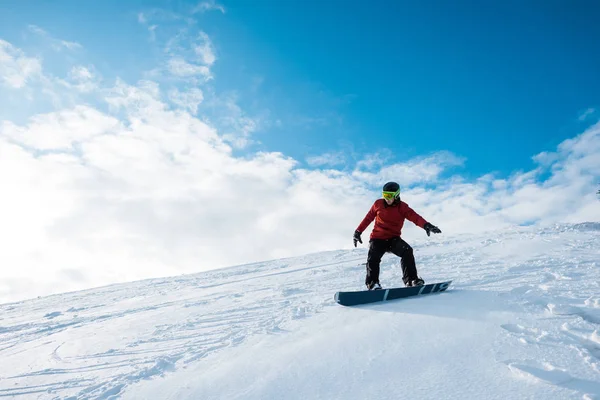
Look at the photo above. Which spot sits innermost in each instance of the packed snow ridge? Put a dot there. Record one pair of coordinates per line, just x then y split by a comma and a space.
520, 320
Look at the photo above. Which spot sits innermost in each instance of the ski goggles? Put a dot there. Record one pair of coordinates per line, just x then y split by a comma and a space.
391, 195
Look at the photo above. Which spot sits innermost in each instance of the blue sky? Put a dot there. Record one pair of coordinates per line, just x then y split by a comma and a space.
141, 138
493, 84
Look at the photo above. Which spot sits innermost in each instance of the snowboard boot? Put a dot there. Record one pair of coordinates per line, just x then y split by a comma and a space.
374, 286
415, 282
418, 282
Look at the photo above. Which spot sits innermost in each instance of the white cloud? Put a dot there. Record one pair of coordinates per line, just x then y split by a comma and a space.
139, 101
181, 68
584, 115
327, 159
234, 123
59, 130
56, 44
373, 161
208, 6
188, 100
81, 79
16, 69
567, 195
544, 158
144, 19
419, 170
37, 30
68, 45
205, 50
190, 56
80, 73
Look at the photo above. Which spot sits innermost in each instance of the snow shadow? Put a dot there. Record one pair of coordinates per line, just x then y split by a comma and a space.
473, 305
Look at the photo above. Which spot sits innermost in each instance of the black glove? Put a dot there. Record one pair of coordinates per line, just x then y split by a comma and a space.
357, 237
431, 228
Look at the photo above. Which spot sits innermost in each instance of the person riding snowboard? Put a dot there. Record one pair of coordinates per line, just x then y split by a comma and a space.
389, 214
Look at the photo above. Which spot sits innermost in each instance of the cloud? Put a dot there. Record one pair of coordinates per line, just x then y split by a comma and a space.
420, 170
81, 74
587, 113
181, 68
16, 69
146, 181
188, 100
545, 158
143, 19
327, 159
208, 6
190, 56
204, 49
59, 130
56, 44
81, 79
567, 195
234, 123
137, 101
373, 161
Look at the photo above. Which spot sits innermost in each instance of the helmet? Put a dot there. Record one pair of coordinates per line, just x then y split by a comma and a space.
391, 190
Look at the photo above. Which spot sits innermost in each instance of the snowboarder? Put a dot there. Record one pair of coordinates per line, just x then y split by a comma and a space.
389, 214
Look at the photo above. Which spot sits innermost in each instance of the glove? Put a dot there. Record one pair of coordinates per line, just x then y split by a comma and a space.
431, 228
357, 237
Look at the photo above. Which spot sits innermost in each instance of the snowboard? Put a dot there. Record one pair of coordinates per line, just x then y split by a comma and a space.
373, 296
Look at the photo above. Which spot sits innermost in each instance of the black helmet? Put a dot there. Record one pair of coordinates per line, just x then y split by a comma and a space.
391, 190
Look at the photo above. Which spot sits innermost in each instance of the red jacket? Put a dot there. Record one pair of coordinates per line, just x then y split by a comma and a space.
389, 219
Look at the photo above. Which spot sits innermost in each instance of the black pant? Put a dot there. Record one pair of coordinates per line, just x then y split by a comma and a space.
397, 246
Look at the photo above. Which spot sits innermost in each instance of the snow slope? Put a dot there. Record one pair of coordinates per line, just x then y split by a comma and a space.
521, 320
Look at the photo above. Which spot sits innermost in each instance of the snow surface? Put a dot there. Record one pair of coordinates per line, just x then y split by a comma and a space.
521, 320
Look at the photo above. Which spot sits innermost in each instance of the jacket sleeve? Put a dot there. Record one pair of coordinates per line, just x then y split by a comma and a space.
367, 220
415, 218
